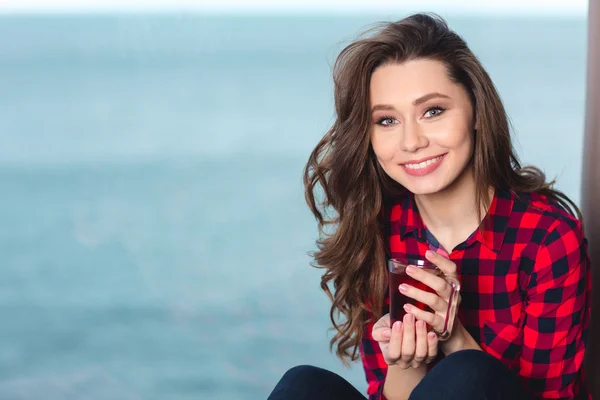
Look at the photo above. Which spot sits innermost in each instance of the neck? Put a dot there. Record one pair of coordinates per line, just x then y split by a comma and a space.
453, 209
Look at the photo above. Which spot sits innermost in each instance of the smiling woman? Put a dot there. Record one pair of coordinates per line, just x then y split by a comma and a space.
432, 130
419, 165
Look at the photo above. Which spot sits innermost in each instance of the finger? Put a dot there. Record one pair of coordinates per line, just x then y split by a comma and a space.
431, 299
436, 321
408, 339
395, 345
437, 283
432, 347
447, 266
421, 349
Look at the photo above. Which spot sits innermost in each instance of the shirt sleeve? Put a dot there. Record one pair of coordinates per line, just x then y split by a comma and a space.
373, 363
557, 312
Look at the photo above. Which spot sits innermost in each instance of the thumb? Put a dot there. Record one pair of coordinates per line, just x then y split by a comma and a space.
382, 334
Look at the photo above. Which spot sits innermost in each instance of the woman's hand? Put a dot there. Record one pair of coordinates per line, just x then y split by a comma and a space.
407, 344
438, 301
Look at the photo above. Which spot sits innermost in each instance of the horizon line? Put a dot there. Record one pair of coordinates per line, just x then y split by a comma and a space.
311, 7
288, 13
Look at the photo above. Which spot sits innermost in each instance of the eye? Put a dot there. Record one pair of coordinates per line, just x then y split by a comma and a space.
434, 111
386, 121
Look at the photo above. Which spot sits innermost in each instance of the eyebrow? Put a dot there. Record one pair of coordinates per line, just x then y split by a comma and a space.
417, 102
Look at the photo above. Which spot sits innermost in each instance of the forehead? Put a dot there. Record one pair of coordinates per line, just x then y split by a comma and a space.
399, 82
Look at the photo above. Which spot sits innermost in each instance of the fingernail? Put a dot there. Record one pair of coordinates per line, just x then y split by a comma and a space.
429, 253
409, 319
410, 269
421, 324
403, 288
397, 326
431, 335
406, 307
387, 333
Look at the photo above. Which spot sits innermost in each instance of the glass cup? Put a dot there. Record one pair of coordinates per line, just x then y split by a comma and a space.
398, 276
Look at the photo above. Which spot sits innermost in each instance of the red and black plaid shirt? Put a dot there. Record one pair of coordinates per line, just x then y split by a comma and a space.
525, 288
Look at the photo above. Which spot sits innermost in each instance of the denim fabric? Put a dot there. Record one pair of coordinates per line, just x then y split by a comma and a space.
464, 375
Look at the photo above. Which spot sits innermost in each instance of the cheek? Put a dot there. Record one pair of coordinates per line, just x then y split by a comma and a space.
383, 148
469, 144
461, 141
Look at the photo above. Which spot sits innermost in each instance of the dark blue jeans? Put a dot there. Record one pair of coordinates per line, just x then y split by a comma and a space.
464, 375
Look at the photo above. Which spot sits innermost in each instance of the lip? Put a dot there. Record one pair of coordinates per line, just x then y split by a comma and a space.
423, 159
423, 171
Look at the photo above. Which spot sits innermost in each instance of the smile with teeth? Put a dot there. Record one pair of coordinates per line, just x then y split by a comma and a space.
424, 163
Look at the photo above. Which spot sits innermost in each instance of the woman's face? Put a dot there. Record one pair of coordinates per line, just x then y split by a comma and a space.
422, 125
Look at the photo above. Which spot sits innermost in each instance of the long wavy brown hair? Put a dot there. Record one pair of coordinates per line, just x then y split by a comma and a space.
347, 190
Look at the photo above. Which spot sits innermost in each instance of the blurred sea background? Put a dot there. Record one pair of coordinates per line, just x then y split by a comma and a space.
153, 230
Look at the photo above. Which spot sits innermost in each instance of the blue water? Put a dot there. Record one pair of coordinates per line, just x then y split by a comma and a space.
153, 232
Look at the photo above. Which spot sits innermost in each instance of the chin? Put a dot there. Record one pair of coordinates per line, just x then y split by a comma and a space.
424, 186
425, 190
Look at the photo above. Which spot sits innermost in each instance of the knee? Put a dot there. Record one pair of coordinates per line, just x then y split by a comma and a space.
476, 361
469, 374
306, 382
471, 356
306, 374
471, 368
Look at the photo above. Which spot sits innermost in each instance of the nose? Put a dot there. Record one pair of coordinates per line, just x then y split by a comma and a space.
412, 138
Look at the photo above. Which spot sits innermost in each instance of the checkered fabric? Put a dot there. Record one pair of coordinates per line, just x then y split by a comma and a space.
525, 287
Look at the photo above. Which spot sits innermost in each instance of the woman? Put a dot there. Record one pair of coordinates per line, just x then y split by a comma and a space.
419, 163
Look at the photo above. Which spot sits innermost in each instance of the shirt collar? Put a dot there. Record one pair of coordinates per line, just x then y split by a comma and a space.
495, 223
410, 219
493, 226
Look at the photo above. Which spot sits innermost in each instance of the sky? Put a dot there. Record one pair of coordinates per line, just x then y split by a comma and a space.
510, 7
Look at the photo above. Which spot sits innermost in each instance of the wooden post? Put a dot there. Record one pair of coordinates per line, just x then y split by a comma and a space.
590, 199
